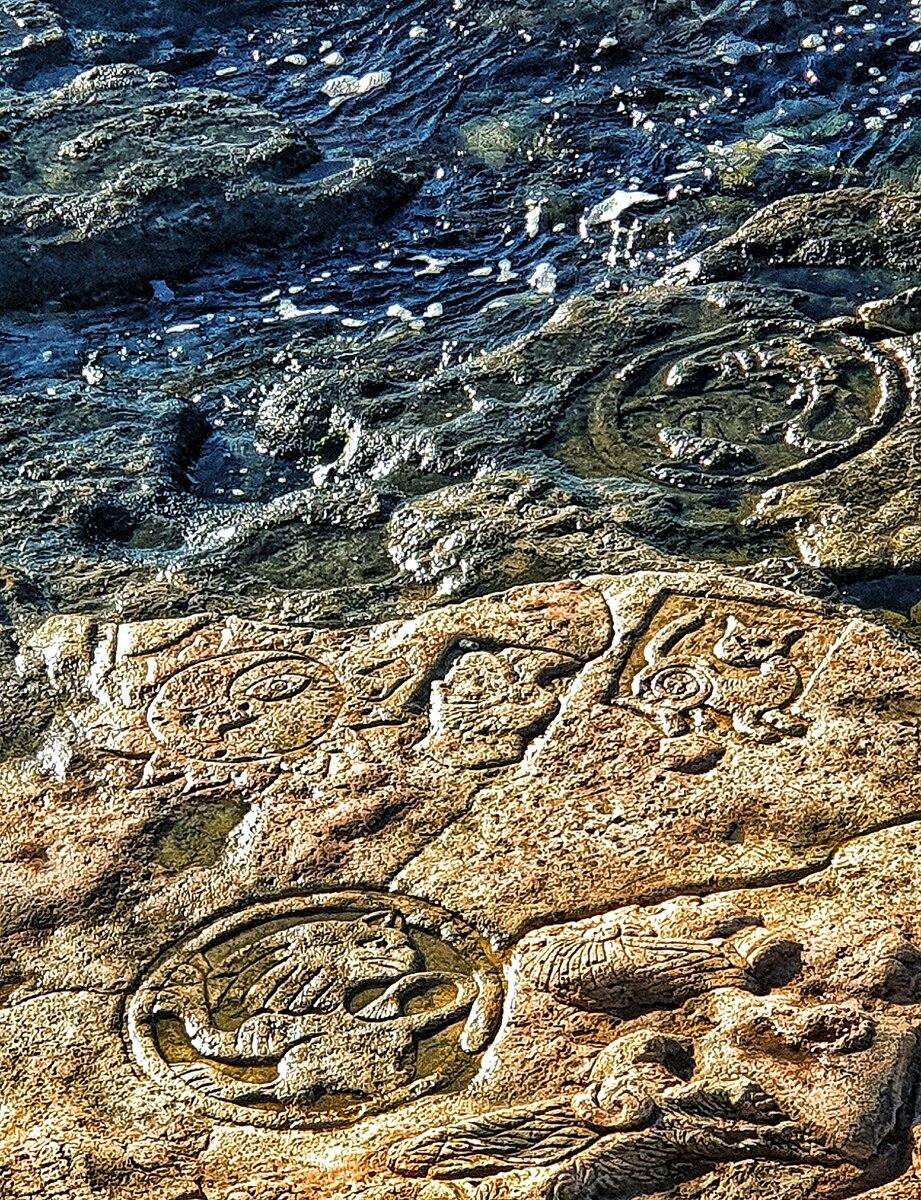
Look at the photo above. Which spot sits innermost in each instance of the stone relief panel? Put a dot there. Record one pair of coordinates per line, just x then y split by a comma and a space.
730, 1051
226, 693
719, 668
317, 1010
383, 956
716, 404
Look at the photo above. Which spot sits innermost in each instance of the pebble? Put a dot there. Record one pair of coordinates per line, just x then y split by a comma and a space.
355, 85
543, 280
731, 49
433, 266
610, 210
93, 373
289, 311
334, 59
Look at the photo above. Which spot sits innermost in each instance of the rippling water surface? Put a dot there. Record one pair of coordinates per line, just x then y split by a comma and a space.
517, 128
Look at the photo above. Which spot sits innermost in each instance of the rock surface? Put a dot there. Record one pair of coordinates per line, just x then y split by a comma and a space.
31, 37
460, 600
587, 889
119, 175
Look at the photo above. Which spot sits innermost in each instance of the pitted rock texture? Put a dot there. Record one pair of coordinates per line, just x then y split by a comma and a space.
31, 37
855, 227
120, 174
590, 889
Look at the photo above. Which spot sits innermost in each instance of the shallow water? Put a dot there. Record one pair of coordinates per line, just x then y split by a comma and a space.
493, 114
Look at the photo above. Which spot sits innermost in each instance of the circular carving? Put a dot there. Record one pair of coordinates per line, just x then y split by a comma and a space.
679, 685
245, 706
314, 1011
723, 401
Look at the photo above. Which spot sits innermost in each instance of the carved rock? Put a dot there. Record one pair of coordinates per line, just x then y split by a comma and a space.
310, 905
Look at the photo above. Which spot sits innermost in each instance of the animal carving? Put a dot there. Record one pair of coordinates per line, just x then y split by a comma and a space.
318, 1008
746, 676
490, 705
623, 967
810, 1083
643, 1122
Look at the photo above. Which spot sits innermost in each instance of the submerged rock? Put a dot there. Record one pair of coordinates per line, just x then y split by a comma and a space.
119, 173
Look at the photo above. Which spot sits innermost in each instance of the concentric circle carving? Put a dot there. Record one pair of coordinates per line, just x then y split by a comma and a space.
727, 402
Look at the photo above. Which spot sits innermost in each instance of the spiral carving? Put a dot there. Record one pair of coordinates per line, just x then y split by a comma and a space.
719, 400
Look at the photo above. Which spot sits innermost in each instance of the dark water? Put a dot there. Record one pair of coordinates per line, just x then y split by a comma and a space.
495, 113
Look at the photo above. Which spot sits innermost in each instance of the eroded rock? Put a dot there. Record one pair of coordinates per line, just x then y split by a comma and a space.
370, 970
854, 227
120, 174
32, 36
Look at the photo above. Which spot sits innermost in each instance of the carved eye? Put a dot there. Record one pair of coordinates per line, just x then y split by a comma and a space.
276, 687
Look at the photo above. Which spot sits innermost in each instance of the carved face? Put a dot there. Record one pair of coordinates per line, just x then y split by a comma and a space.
745, 645
245, 706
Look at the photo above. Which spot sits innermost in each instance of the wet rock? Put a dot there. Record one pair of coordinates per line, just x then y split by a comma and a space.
559, 882
856, 227
96, 198
154, 33
103, 480
729, 32
684, 422
31, 37
898, 315
494, 139
516, 526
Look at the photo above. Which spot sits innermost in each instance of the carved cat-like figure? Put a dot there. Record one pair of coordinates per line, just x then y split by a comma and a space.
748, 677
306, 1000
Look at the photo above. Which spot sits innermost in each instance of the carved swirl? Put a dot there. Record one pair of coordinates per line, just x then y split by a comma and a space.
726, 404
680, 685
315, 1011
